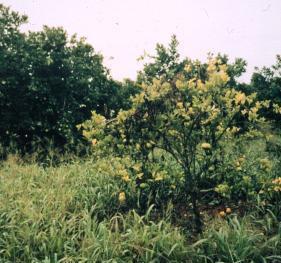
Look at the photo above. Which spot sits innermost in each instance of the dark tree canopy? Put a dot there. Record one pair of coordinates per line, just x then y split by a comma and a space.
267, 83
49, 83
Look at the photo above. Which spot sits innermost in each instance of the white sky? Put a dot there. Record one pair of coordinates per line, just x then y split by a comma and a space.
122, 30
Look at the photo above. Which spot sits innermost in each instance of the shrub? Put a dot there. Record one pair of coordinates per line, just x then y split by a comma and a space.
190, 120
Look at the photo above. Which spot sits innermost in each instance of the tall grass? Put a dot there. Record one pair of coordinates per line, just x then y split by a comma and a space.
240, 241
71, 213
66, 214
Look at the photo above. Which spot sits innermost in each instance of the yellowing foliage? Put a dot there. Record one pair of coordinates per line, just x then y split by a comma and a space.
188, 118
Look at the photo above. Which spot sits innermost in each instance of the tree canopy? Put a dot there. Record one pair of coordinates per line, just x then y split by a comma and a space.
49, 83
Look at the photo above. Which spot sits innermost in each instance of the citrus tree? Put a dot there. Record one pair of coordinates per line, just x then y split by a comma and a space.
188, 119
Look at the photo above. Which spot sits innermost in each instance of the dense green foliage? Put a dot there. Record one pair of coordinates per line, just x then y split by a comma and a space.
49, 83
182, 165
52, 82
267, 83
192, 120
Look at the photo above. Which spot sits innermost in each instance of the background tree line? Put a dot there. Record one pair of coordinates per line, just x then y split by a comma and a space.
50, 82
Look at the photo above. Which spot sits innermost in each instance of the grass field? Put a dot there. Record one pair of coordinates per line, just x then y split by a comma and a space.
71, 213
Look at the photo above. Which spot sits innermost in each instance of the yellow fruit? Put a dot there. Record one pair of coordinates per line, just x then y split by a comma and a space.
222, 214
143, 185
206, 146
241, 159
180, 105
148, 145
122, 197
228, 210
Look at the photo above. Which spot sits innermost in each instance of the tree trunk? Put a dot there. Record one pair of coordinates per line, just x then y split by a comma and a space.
191, 190
197, 216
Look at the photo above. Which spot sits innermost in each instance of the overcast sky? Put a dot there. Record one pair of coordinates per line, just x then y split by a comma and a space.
123, 29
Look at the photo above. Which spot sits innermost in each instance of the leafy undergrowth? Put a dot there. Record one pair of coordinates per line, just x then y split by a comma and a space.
72, 213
